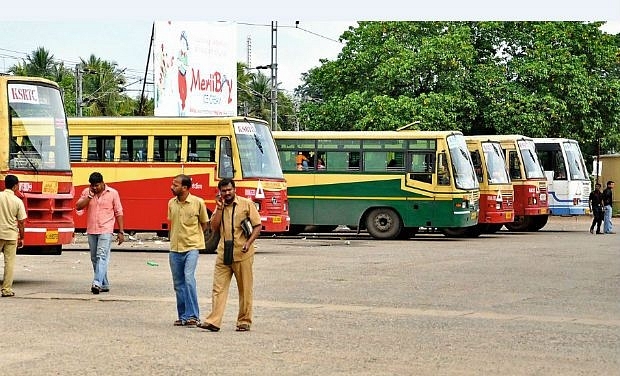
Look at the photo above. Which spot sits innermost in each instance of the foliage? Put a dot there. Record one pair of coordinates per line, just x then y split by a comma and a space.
534, 78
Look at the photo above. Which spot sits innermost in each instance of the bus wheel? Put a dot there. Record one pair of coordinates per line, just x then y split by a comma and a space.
492, 228
295, 229
520, 224
383, 223
454, 232
538, 222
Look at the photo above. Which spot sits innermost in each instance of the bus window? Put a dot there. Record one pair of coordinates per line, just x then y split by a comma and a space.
443, 171
477, 160
133, 149
514, 165
422, 166
287, 158
225, 162
75, 148
354, 160
375, 161
201, 149
101, 148
168, 148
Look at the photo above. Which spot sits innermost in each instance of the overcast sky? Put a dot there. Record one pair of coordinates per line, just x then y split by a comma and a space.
120, 31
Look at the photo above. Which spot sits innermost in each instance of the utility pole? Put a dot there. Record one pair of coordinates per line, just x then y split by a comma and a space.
78, 90
274, 75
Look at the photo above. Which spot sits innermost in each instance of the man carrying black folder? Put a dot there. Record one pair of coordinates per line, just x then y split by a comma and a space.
235, 255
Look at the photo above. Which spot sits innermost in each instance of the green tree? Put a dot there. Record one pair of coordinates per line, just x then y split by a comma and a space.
102, 84
533, 78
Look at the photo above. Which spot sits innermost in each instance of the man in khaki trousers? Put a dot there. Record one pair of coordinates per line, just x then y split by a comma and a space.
12, 216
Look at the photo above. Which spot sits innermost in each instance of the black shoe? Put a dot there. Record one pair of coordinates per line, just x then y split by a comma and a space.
591, 231
599, 233
104, 289
95, 289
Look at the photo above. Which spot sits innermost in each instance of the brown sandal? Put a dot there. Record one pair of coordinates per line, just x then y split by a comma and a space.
242, 328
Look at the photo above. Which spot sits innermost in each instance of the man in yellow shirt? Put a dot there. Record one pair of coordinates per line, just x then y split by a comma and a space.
188, 220
12, 217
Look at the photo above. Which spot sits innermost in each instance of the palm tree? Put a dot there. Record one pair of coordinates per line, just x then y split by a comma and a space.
102, 85
40, 63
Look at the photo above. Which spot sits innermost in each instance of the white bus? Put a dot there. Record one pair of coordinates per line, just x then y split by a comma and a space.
568, 182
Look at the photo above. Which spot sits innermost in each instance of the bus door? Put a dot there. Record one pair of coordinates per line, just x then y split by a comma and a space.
419, 179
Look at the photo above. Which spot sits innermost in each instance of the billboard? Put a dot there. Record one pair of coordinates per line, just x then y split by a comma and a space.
195, 68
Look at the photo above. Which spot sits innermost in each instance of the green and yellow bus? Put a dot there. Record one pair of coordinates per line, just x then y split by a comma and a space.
389, 183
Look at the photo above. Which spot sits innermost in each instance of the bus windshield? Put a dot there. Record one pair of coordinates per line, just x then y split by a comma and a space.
38, 127
496, 166
464, 174
576, 166
533, 169
257, 151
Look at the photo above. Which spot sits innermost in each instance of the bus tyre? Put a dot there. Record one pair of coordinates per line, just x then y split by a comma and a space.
295, 229
520, 224
454, 232
492, 228
538, 222
383, 223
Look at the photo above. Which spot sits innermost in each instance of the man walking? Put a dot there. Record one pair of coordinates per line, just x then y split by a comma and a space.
103, 207
231, 210
607, 202
596, 208
188, 220
12, 216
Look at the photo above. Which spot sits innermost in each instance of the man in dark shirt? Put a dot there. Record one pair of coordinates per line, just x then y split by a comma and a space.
607, 203
596, 208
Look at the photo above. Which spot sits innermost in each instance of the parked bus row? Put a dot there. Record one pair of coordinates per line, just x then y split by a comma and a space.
388, 183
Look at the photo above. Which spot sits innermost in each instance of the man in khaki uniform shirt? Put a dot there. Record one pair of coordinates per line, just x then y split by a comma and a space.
243, 256
12, 216
188, 220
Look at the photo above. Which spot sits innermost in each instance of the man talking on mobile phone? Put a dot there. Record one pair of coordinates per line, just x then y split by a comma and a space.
235, 255
103, 207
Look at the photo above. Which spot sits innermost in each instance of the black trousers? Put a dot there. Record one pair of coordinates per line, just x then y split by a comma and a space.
597, 219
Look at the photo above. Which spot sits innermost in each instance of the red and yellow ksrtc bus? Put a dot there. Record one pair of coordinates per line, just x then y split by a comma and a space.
531, 205
36, 150
139, 156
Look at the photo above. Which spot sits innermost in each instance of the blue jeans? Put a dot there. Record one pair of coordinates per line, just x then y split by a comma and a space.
608, 227
99, 245
183, 268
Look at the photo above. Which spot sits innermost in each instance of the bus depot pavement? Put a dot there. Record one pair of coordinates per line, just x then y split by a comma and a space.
544, 303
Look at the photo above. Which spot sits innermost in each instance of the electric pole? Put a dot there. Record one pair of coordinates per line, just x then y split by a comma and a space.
274, 75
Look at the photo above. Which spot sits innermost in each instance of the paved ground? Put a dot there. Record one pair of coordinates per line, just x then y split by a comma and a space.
544, 303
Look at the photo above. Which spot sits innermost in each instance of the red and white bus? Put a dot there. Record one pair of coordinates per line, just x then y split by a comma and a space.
531, 205
139, 156
36, 150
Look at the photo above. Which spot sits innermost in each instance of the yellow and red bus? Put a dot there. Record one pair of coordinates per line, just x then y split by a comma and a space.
496, 192
389, 183
139, 156
36, 150
531, 205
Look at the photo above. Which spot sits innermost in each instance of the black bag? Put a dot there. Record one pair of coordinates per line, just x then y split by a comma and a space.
212, 239
229, 246
246, 226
